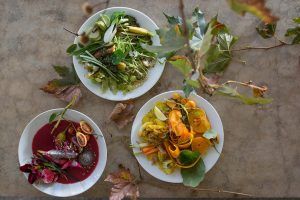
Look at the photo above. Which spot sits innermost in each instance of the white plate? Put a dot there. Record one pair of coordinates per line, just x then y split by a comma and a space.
58, 189
153, 74
209, 159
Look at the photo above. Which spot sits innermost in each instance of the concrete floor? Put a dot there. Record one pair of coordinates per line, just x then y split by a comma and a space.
261, 155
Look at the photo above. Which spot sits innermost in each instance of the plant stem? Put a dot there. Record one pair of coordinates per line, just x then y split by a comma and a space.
248, 84
222, 191
186, 34
265, 48
76, 34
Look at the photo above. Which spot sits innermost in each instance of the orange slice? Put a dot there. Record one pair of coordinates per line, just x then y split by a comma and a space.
81, 139
200, 144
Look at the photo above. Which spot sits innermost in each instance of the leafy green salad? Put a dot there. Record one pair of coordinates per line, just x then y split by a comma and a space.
112, 54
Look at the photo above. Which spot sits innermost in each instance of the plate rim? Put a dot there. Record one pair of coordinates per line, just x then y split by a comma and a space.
103, 149
133, 131
112, 97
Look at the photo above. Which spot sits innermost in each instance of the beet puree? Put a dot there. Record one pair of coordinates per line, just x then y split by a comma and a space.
44, 140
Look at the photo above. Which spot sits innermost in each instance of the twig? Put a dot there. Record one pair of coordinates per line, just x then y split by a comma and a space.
76, 34
265, 48
139, 168
248, 84
222, 191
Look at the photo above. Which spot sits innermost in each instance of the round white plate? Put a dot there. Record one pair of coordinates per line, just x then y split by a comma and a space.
209, 159
153, 74
58, 189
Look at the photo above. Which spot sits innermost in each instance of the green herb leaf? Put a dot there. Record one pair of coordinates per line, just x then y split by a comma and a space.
52, 117
173, 20
71, 48
187, 157
182, 64
297, 20
117, 57
193, 176
231, 92
266, 30
255, 7
210, 134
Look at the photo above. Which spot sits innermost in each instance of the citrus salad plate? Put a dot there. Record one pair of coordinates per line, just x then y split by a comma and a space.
177, 139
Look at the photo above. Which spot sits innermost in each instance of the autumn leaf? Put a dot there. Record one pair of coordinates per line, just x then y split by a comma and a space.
122, 114
65, 88
266, 30
255, 7
123, 184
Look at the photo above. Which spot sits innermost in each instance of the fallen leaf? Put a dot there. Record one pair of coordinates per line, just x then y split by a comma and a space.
122, 114
294, 32
123, 185
255, 7
65, 88
182, 64
266, 30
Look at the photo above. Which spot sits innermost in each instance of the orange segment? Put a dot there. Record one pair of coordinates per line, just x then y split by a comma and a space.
81, 139
201, 145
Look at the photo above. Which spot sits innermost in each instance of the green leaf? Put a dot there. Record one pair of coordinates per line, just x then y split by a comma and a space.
210, 134
266, 30
297, 20
294, 32
182, 64
187, 157
117, 57
62, 71
193, 176
255, 7
231, 92
201, 24
173, 20
52, 117
187, 89
71, 48
219, 56
171, 40
193, 83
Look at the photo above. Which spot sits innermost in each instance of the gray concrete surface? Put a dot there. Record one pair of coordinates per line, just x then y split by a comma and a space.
261, 154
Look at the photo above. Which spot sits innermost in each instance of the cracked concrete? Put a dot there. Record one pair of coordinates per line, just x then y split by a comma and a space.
261, 154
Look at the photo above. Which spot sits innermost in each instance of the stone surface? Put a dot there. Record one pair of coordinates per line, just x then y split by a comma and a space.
261, 154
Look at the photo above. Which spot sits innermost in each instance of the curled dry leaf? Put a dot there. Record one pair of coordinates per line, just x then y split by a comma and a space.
123, 184
122, 114
64, 93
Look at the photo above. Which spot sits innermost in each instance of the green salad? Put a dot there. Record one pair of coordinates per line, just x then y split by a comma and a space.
111, 52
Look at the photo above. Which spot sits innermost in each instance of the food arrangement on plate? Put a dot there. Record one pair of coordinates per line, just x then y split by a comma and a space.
176, 134
64, 151
111, 52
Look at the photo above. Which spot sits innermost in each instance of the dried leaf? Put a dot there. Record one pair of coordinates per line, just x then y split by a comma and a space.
255, 7
65, 88
122, 114
87, 8
123, 185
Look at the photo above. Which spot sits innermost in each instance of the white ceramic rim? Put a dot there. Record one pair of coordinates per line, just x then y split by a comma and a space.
209, 159
154, 73
92, 179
